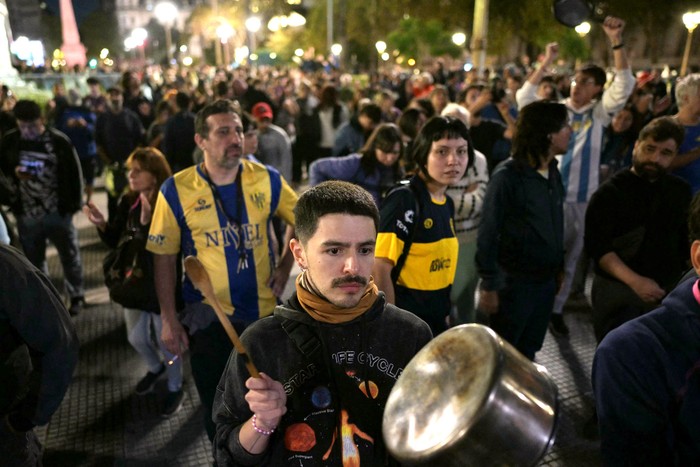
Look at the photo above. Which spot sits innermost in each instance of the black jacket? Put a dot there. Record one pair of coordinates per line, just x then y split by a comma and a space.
522, 225
374, 347
70, 176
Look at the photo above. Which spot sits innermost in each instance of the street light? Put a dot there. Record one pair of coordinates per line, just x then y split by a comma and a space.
459, 39
381, 48
253, 25
691, 21
139, 36
583, 28
336, 50
166, 13
224, 32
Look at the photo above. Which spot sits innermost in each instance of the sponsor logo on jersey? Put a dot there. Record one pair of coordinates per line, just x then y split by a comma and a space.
157, 239
259, 199
428, 223
408, 216
401, 226
439, 264
231, 235
201, 205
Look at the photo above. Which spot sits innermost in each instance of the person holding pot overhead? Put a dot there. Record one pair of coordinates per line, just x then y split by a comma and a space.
417, 246
375, 168
520, 244
147, 170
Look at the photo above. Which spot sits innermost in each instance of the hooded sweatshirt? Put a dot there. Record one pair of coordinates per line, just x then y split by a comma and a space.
335, 398
646, 378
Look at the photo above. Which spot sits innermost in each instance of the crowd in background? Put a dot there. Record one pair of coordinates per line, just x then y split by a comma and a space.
312, 124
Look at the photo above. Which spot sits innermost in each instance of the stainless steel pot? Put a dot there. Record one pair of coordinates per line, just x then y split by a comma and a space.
468, 398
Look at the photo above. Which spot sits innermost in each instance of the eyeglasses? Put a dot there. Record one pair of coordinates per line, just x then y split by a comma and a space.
582, 82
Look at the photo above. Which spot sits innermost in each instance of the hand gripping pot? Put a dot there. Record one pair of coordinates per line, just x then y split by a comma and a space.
468, 398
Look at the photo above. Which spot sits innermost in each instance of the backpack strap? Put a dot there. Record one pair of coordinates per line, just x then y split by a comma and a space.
396, 270
305, 340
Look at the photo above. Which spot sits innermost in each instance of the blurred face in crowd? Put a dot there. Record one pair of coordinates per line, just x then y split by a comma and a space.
560, 140
140, 180
583, 89
116, 101
32, 129
250, 141
622, 121
389, 157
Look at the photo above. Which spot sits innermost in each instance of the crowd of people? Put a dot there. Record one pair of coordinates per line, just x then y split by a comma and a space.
436, 199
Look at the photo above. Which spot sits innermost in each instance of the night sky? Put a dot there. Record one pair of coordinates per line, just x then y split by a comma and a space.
82, 8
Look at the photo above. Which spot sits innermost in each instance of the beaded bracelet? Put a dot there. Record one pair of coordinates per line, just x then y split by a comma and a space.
261, 430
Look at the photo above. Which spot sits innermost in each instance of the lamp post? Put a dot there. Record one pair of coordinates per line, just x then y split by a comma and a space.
582, 30
336, 50
252, 24
140, 35
691, 21
224, 31
166, 13
381, 48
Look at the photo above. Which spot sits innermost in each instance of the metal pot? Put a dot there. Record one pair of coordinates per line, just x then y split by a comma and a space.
468, 398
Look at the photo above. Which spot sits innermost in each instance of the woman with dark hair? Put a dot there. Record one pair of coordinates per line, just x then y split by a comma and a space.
375, 168
520, 244
416, 250
148, 169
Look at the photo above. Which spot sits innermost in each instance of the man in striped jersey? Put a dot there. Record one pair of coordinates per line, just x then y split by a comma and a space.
590, 110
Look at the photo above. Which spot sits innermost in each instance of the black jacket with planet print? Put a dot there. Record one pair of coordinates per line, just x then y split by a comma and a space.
335, 397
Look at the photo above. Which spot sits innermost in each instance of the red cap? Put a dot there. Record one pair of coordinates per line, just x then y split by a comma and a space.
262, 110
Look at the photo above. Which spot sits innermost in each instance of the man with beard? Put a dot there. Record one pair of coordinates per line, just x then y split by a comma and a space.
636, 230
219, 211
339, 347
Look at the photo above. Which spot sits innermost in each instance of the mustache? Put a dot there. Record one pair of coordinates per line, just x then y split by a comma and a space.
349, 280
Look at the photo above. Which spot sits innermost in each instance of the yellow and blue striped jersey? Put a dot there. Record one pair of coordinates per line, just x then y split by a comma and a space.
187, 218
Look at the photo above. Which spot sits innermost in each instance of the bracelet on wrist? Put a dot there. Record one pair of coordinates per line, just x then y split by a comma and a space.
262, 431
618, 46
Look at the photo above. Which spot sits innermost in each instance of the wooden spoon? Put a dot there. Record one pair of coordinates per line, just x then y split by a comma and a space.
200, 278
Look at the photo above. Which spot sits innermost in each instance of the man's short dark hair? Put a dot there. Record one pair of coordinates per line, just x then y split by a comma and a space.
183, 100
92, 80
26, 110
222, 106
332, 197
662, 129
373, 112
595, 72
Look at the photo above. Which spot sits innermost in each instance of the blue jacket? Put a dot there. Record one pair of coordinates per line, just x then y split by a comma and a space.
522, 227
646, 379
349, 138
83, 138
348, 168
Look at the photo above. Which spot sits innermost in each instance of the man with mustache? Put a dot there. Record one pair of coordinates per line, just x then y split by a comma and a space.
328, 357
219, 211
636, 230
